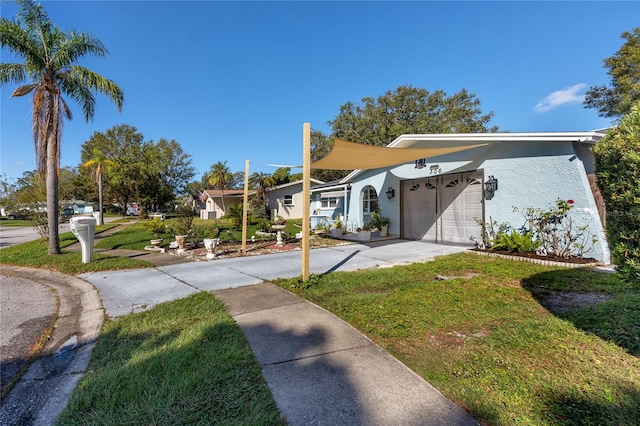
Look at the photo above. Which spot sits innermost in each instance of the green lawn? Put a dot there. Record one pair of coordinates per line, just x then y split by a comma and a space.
484, 339
15, 222
34, 254
181, 363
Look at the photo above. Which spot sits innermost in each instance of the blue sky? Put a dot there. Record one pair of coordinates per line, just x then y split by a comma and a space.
232, 81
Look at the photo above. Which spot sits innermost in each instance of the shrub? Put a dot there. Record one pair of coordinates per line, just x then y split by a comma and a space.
491, 231
234, 212
156, 227
556, 231
517, 242
184, 222
617, 159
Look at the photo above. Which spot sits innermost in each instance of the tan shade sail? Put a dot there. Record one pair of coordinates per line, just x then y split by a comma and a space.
351, 156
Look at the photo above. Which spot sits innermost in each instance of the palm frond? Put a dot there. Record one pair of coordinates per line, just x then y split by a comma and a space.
12, 73
74, 46
24, 90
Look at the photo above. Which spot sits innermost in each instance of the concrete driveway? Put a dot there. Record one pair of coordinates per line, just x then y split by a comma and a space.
123, 292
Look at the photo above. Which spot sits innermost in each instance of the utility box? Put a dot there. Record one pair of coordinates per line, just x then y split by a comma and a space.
84, 228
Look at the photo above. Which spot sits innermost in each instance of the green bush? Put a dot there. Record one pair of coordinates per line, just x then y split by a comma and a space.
184, 223
617, 159
556, 231
516, 242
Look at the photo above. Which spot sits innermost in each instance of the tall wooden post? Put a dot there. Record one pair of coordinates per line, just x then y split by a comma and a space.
245, 207
306, 197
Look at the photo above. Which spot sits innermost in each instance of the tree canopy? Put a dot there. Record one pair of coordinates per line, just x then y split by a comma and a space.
405, 110
623, 91
151, 173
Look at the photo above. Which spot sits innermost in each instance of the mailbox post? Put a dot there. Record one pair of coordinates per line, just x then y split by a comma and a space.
84, 228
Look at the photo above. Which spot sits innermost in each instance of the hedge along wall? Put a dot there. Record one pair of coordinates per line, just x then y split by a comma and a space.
617, 158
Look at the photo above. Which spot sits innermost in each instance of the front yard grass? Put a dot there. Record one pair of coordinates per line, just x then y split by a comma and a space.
481, 335
181, 363
34, 254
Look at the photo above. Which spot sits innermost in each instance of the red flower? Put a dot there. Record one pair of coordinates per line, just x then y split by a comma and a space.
570, 201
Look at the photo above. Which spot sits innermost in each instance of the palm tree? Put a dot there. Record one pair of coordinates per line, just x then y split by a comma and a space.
218, 177
261, 181
99, 162
50, 57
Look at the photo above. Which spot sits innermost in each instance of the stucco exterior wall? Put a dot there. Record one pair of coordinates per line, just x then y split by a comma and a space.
215, 205
277, 206
530, 174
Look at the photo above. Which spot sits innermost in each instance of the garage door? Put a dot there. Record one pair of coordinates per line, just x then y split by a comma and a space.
443, 209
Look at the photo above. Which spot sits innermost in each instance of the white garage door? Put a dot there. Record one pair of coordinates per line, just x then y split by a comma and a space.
443, 209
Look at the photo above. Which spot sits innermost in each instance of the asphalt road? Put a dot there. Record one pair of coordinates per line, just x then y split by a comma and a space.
12, 235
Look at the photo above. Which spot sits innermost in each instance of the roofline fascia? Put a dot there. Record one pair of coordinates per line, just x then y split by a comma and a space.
584, 137
296, 182
331, 188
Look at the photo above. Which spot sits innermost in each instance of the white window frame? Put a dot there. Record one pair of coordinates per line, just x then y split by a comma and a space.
287, 200
329, 202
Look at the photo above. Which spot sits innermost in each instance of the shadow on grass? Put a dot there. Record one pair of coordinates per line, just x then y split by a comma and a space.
178, 371
597, 303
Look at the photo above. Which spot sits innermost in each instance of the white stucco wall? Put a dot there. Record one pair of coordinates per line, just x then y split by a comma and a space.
530, 174
276, 202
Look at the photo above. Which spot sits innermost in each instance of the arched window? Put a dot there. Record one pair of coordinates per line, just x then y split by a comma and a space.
369, 203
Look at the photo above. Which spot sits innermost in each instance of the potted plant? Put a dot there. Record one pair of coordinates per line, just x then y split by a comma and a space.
279, 223
380, 223
183, 226
336, 231
156, 227
364, 233
211, 240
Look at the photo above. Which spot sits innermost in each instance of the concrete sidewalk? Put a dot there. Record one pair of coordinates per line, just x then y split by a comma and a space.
322, 371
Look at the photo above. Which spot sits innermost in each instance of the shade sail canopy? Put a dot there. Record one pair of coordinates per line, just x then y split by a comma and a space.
351, 156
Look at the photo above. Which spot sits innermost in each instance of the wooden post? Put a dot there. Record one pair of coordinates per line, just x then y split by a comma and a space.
306, 197
245, 207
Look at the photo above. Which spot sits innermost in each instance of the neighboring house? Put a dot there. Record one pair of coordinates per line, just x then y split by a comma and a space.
194, 202
79, 206
443, 198
286, 200
328, 203
212, 199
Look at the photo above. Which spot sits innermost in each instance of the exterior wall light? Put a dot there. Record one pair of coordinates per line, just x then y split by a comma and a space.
490, 187
390, 193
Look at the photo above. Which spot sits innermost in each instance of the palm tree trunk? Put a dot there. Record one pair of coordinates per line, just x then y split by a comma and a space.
52, 194
100, 218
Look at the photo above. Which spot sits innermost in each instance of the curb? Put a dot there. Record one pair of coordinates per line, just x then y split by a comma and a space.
543, 262
44, 390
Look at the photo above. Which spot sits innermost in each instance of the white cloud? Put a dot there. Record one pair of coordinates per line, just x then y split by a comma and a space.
19, 163
568, 95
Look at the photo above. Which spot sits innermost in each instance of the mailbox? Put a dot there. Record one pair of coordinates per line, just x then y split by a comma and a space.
84, 228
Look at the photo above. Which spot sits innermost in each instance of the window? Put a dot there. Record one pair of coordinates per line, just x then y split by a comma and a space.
369, 200
288, 200
329, 202
369, 203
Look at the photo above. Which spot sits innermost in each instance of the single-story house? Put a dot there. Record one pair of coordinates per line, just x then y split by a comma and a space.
194, 201
441, 187
212, 199
286, 200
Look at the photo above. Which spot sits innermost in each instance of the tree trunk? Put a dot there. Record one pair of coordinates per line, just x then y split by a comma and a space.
100, 217
52, 195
